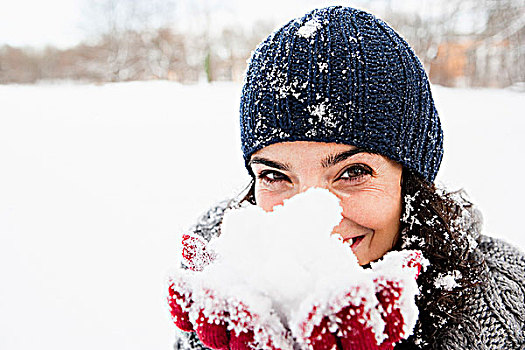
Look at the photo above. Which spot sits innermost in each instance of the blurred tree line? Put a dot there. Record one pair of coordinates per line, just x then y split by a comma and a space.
460, 42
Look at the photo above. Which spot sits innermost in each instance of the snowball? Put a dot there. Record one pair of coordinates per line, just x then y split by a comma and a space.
288, 253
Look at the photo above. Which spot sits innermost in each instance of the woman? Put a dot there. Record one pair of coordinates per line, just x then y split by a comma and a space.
337, 99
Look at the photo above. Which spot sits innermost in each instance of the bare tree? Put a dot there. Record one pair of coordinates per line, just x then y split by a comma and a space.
460, 42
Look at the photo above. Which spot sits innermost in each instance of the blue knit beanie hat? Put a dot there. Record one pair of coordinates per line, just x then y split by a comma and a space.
341, 75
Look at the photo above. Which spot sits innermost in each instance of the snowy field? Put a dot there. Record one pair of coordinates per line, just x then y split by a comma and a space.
96, 180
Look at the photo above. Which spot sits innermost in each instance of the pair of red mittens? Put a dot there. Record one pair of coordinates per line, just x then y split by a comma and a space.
375, 312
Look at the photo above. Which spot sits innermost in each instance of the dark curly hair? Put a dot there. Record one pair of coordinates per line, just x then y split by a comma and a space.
445, 227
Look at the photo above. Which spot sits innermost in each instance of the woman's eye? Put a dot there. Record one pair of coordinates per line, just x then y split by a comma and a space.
270, 176
356, 173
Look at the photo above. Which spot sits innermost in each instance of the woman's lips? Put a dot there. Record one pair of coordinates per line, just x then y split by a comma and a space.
354, 241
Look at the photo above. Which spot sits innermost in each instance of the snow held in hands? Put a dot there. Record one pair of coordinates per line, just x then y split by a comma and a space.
281, 280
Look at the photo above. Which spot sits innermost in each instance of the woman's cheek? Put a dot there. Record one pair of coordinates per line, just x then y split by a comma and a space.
373, 212
267, 199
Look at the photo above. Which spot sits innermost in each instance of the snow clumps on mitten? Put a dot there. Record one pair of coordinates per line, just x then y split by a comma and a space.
375, 312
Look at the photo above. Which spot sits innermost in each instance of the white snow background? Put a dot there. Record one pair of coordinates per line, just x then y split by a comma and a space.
96, 182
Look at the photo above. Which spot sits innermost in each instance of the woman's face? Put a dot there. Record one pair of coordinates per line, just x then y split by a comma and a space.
368, 185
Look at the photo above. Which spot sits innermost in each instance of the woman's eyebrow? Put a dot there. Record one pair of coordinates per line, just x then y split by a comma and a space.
333, 159
270, 163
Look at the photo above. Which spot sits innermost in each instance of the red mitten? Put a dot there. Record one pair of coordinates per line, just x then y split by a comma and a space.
375, 313
195, 255
179, 301
395, 291
223, 322
220, 321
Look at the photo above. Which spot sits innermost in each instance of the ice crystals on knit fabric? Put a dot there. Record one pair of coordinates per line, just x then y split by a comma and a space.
318, 110
448, 281
309, 28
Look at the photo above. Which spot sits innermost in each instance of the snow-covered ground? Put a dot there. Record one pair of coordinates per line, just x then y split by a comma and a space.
96, 180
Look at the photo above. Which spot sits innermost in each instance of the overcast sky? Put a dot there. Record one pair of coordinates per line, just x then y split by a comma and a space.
62, 22
37, 22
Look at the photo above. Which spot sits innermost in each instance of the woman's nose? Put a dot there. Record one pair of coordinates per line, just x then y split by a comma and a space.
314, 183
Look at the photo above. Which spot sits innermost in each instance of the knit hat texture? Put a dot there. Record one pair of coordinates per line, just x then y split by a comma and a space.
341, 75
